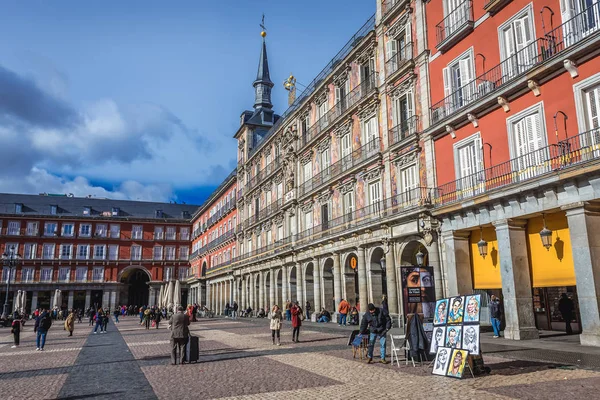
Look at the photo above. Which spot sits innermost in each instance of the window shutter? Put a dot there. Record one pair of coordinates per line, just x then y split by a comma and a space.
466, 76
478, 165
520, 138
409, 103
407, 40
447, 82
346, 145
396, 111
593, 101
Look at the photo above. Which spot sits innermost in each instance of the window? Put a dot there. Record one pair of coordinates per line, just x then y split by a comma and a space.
402, 111
268, 197
116, 211
183, 272
48, 251
249, 246
370, 132
304, 124
184, 253
50, 229
100, 230
346, 149
8, 273
137, 232
113, 252
409, 181
325, 161
527, 134
136, 252
12, 248
280, 190
586, 24
170, 253
115, 231
67, 230
468, 164
27, 274
63, 274
14, 227
85, 230
32, 229
269, 237
99, 252
259, 241
168, 273
398, 49
280, 232
307, 168
87, 210
322, 114
29, 251
46, 275
457, 75
81, 274
98, 274
66, 251
308, 220
18, 208
375, 196
233, 252
157, 253
516, 38
184, 233
158, 232
349, 203
53, 210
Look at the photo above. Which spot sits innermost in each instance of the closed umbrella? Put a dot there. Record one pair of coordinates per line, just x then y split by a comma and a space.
55, 299
177, 294
23, 303
17, 305
160, 296
170, 294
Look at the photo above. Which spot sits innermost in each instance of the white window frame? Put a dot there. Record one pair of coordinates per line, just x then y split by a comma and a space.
98, 274
85, 230
27, 274
474, 182
48, 255
184, 253
157, 253
405, 188
137, 254
137, 232
101, 230
308, 220
370, 129
581, 104
307, 171
29, 251
349, 203
168, 273
109, 253
81, 274
32, 228
99, 252
525, 171
464, 60
169, 253
67, 230
518, 65
83, 252
374, 201
46, 274
159, 233
64, 274
184, 233
397, 117
115, 231
66, 255
14, 228
50, 228
171, 233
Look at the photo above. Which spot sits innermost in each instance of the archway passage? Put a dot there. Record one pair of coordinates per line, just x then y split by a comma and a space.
378, 278
309, 287
137, 280
351, 279
328, 287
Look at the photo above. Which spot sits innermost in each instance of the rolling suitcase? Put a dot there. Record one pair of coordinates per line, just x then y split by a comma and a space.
192, 349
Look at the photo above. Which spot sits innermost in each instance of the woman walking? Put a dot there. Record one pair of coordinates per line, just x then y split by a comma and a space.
276, 318
157, 317
147, 318
70, 323
296, 321
16, 329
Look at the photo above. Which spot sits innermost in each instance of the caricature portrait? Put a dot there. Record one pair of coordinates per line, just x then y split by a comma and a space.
472, 308
437, 339
471, 339
457, 363
441, 312
453, 336
455, 314
440, 365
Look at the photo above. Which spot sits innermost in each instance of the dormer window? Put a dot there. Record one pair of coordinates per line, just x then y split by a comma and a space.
115, 211
53, 210
87, 210
18, 208
158, 213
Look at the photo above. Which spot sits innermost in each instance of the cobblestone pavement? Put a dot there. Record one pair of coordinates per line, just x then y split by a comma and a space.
238, 361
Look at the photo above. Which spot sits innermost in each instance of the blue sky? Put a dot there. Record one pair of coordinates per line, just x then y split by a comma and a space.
140, 99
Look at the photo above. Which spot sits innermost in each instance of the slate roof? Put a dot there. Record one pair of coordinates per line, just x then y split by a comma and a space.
41, 205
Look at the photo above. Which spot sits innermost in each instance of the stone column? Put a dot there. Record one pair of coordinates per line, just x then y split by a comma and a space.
272, 284
390, 278
105, 298
516, 281
299, 285
113, 299
70, 300
151, 296
261, 291
433, 255
34, 301
207, 301
243, 305
458, 264
584, 231
252, 291
337, 281
235, 289
284, 285
317, 287
88, 298
362, 280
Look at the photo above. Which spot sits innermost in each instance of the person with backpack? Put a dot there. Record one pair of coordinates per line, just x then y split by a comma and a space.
147, 318
99, 315
42, 324
16, 329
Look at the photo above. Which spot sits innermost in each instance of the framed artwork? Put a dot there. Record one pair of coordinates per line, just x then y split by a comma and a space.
472, 308
441, 312
457, 363
455, 313
470, 340
442, 358
453, 336
418, 290
437, 339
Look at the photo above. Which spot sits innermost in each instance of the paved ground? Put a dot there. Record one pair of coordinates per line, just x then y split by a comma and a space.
237, 360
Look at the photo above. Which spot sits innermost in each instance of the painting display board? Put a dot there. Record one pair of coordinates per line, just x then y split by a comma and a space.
455, 337
418, 291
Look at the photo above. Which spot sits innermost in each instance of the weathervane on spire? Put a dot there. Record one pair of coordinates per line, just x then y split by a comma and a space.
262, 25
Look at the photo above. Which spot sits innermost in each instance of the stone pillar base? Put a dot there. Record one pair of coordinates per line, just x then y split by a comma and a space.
590, 339
522, 334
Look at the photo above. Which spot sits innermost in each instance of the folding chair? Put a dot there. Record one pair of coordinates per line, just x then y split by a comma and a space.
396, 342
406, 348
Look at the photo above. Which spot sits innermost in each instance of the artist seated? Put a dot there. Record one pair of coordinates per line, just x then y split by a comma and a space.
323, 316
247, 312
353, 318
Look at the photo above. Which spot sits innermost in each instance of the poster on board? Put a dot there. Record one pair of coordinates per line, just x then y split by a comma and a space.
418, 291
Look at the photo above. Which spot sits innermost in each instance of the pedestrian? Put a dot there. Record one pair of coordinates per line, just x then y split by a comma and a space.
307, 307
147, 319
343, 309
42, 324
566, 308
116, 314
16, 329
324, 316
79, 312
98, 321
275, 326
105, 318
235, 310
297, 317
70, 323
495, 315
157, 318
179, 326
91, 316
288, 312
376, 322
226, 310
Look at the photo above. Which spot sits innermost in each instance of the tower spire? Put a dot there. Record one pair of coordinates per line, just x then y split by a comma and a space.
263, 84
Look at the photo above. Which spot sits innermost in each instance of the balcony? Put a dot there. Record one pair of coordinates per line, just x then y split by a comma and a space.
263, 174
400, 62
340, 167
389, 8
548, 49
493, 6
572, 152
364, 89
403, 131
457, 24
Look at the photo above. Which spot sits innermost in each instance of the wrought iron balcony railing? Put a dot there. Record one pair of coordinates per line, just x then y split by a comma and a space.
541, 50
390, 5
570, 152
454, 23
403, 130
403, 56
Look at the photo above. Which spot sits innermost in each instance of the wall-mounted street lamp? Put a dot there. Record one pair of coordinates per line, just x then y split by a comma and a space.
420, 258
482, 245
546, 235
382, 261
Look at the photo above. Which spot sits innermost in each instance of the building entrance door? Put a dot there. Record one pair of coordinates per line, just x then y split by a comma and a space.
546, 307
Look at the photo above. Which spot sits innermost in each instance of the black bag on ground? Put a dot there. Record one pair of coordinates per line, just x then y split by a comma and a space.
192, 349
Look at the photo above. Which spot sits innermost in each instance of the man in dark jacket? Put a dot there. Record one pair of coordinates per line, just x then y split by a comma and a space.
377, 323
495, 315
566, 308
179, 334
42, 324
